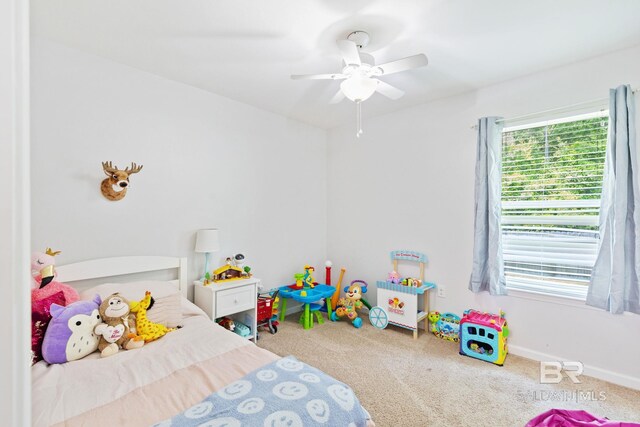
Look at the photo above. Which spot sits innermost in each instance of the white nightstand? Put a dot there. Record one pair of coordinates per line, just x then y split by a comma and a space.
236, 299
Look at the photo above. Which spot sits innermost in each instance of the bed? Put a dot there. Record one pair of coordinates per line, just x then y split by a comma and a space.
157, 382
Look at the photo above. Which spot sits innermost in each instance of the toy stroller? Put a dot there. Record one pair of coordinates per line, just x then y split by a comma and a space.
268, 311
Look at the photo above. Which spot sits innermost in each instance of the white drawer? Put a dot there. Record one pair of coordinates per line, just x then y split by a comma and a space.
234, 300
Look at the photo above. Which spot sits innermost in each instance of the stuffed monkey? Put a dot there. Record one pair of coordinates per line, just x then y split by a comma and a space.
118, 329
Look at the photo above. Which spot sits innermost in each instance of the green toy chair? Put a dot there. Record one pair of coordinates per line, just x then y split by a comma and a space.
314, 308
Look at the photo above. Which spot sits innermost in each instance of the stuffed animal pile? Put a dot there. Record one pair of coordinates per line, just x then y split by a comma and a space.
63, 328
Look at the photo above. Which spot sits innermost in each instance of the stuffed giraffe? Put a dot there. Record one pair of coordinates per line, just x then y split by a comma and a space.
145, 328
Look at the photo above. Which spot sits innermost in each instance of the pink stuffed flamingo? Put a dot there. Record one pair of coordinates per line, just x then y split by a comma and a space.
43, 274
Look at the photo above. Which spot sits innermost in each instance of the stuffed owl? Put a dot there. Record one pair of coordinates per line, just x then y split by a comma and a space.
70, 333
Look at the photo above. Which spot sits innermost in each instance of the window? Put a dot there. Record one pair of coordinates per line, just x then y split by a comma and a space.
551, 185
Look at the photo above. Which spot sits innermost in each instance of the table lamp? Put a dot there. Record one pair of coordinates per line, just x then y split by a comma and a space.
207, 241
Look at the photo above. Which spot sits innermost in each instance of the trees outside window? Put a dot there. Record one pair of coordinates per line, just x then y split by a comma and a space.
551, 185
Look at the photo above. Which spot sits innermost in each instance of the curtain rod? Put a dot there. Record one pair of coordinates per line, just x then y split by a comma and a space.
553, 110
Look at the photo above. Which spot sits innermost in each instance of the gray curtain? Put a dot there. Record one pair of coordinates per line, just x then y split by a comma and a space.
488, 265
614, 284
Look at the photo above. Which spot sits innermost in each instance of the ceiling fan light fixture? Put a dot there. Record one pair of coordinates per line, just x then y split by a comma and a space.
358, 88
360, 72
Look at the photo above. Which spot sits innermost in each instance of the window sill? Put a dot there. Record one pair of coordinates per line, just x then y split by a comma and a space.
559, 300
554, 299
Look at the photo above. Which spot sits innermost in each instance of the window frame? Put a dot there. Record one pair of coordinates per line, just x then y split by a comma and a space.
542, 288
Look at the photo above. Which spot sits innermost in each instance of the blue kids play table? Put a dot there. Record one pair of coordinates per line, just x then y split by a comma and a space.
314, 294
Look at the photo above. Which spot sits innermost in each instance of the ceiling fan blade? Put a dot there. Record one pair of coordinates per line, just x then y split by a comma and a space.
336, 76
349, 52
389, 91
338, 97
403, 64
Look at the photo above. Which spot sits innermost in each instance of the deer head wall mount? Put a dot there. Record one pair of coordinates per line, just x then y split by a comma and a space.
114, 187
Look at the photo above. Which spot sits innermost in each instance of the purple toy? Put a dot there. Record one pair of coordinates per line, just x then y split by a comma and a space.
393, 277
573, 418
70, 334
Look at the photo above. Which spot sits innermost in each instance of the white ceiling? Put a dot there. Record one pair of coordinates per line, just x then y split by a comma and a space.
246, 49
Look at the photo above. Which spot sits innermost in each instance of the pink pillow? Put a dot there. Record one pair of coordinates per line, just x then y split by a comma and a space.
40, 317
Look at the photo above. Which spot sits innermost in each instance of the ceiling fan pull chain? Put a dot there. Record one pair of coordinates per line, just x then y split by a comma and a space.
358, 118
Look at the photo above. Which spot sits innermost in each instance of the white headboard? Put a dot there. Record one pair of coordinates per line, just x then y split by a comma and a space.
119, 266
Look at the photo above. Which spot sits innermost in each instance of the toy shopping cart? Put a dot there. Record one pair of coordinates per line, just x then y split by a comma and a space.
268, 311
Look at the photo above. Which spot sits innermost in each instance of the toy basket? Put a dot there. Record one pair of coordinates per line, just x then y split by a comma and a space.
266, 316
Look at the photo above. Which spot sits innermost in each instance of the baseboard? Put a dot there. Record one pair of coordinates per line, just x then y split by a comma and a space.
592, 371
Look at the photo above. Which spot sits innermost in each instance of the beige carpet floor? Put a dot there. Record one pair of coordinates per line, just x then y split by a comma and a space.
426, 382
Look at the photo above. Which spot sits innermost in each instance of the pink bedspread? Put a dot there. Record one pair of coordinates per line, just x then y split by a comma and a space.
568, 418
147, 385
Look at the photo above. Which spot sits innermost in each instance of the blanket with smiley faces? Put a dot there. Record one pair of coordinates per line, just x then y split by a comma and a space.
284, 393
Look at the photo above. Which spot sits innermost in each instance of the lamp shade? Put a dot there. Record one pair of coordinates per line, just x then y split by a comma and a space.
207, 240
358, 88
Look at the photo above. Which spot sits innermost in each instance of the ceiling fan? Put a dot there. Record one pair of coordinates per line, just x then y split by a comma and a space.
360, 74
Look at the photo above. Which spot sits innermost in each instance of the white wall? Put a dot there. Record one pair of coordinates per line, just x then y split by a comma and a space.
408, 184
15, 325
263, 180
208, 162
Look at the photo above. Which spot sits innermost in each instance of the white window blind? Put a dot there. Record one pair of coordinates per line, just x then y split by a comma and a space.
551, 186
